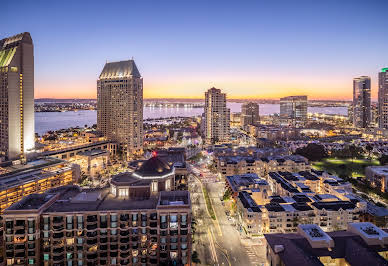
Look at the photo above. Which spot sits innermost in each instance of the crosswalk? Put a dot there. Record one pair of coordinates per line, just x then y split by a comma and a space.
252, 256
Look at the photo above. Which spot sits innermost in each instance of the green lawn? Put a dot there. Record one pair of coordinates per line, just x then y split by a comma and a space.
345, 167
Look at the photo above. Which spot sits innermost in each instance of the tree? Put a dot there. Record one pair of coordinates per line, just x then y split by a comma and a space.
369, 149
383, 159
194, 257
313, 152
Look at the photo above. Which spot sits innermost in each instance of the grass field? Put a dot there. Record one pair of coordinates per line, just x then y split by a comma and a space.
345, 167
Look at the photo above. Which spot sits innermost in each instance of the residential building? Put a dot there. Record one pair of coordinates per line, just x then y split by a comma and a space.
361, 102
216, 117
258, 188
383, 98
17, 126
232, 165
293, 111
120, 105
249, 115
139, 220
377, 176
19, 180
361, 244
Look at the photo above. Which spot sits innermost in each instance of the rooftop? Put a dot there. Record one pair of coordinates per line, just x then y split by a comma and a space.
74, 199
121, 69
299, 248
34, 170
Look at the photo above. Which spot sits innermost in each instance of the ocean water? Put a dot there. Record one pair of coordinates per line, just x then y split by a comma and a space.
46, 121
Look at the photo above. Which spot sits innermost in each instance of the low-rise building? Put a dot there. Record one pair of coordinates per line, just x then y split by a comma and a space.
232, 165
377, 176
92, 162
36, 176
362, 244
257, 187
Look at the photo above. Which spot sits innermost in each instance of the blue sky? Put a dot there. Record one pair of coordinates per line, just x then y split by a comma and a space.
260, 49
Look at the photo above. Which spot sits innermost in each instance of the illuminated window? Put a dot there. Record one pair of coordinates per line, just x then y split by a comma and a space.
123, 192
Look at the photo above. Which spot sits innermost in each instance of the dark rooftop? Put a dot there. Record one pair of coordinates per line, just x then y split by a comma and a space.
155, 166
298, 251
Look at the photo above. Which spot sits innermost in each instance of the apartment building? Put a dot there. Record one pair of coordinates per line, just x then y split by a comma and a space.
232, 165
361, 244
377, 176
216, 117
138, 220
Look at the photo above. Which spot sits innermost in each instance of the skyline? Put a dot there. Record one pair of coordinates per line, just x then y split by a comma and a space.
240, 49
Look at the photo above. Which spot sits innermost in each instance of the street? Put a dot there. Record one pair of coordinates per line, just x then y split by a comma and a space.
218, 242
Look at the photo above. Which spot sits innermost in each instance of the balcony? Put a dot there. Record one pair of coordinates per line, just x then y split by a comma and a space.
124, 255
58, 235
20, 232
57, 219
92, 226
91, 241
58, 227
19, 247
153, 224
20, 254
91, 234
104, 254
124, 240
91, 218
58, 258
124, 217
92, 256
113, 253
124, 262
58, 250
124, 233
124, 247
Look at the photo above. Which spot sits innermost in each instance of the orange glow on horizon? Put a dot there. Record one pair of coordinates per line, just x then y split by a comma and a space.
194, 88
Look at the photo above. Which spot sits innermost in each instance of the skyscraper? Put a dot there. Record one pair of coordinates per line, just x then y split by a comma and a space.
17, 133
361, 102
293, 110
120, 105
217, 117
383, 98
249, 114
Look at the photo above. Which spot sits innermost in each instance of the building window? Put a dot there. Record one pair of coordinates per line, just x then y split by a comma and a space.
123, 192
154, 186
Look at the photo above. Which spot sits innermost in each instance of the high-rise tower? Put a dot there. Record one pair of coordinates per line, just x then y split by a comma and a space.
361, 102
249, 114
383, 98
216, 116
120, 105
293, 110
17, 133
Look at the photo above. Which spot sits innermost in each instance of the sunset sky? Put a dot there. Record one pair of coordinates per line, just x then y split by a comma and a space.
249, 49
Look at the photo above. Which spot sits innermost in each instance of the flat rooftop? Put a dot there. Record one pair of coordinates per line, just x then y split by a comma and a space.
95, 152
74, 199
34, 170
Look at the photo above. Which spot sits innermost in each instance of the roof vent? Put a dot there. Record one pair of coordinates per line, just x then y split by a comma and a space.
278, 248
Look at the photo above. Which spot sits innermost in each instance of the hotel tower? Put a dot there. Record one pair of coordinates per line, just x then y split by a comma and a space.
17, 133
120, 105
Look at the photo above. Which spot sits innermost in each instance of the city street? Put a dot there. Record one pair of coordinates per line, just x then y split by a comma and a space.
218, 242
